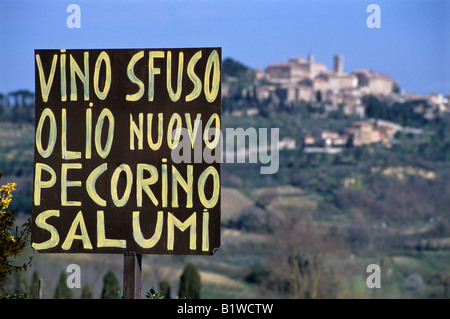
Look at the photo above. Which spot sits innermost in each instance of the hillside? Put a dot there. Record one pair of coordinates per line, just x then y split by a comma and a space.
328, 215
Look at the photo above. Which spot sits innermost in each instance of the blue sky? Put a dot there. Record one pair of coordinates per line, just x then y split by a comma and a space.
412, 45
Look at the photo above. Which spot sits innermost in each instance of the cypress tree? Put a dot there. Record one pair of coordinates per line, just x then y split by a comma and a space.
20, 283
62, 291
34, 287
164, 289
87, 292
190, 284
111, 286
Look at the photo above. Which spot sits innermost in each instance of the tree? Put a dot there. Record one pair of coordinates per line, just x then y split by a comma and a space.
87, 292
319, 96
62, 291
235, 69
164, 289
34, 287
15, 286
300, 249
376, 108
21, 283
12, 240
190, 284
266, 197
258, 273
111, 286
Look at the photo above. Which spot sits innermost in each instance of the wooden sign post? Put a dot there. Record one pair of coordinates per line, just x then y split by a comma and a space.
132, 274
120, 143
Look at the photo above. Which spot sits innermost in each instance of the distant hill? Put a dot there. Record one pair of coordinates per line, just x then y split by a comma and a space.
232, 69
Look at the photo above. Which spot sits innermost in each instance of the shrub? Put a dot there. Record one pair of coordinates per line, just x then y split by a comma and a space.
12, 240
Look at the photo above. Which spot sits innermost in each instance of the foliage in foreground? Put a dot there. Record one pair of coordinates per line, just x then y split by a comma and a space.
12, 240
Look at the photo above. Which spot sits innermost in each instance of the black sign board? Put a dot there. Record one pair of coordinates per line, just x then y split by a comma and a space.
108, 123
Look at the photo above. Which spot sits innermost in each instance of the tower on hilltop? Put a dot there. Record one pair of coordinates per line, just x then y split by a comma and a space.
338, 64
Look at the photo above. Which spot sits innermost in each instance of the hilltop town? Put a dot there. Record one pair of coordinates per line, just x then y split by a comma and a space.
373, 101
303, 80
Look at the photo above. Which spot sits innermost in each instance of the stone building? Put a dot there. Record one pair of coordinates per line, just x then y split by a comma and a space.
370, 82
291, 93
294, 70
368, 132
334, 82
